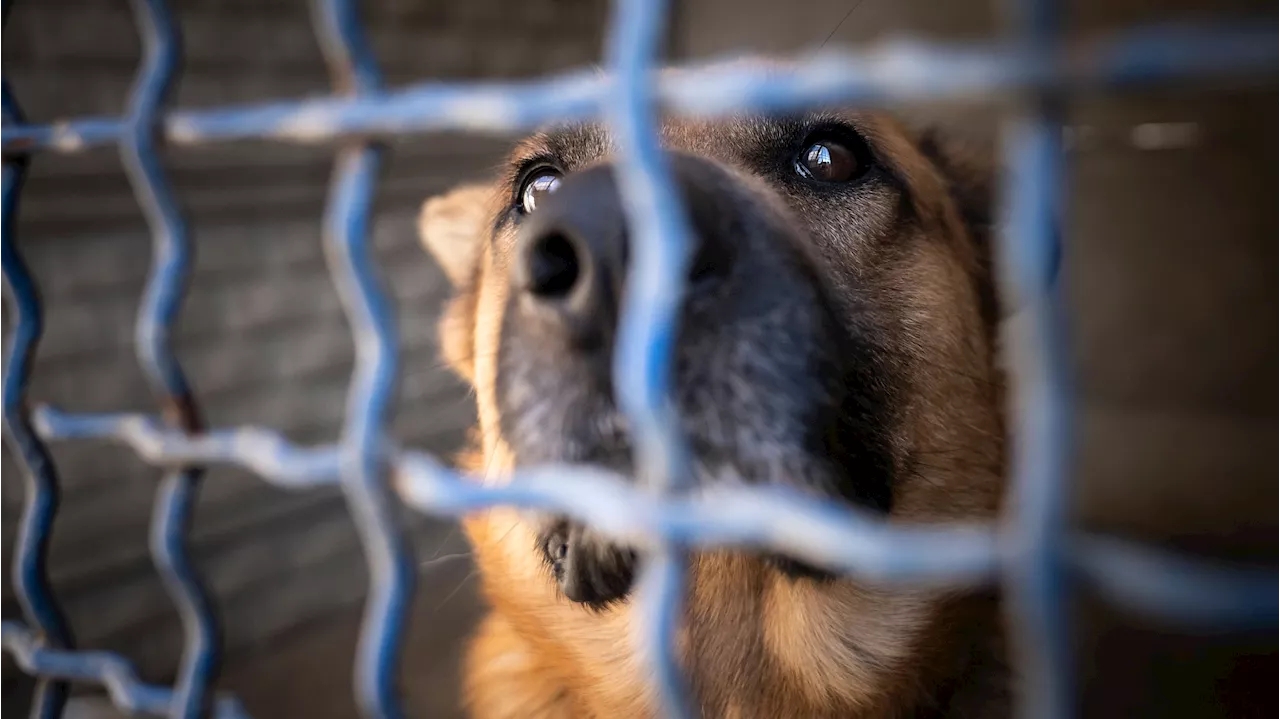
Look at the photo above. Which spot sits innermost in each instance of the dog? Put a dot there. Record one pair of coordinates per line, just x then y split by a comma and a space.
837, 337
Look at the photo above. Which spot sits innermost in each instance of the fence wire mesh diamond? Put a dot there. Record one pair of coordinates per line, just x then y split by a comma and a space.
1032, 553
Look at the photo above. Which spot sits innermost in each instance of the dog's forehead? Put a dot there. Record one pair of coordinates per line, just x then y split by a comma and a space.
725, 138
580, 143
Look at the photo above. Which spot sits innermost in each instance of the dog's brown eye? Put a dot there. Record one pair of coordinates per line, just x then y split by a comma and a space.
828, 161
536, 187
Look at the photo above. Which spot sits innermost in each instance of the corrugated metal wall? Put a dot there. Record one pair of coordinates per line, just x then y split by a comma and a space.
263, 337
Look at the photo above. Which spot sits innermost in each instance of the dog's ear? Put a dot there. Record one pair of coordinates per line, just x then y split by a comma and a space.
451, 227
970, 176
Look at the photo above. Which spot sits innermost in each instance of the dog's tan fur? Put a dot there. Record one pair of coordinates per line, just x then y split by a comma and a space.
757, 643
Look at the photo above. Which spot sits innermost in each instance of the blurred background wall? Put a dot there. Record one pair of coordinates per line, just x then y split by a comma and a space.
1170, 269
262, 337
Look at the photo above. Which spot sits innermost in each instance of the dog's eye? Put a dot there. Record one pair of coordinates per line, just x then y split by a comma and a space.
828, 161
536, 187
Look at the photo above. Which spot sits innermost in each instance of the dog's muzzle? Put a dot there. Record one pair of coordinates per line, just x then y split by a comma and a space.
759, 379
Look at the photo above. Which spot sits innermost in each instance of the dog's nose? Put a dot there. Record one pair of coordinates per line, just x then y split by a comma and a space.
571, 258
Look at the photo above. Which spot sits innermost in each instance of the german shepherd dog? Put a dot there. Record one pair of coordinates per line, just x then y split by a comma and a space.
837, 336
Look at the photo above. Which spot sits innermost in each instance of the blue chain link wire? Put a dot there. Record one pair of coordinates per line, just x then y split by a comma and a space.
373, 326
1033, 553
30, 577
1035, 581
172, 257
651, 304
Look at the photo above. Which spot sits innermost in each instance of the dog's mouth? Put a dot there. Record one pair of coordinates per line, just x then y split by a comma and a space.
832, 449
588, 569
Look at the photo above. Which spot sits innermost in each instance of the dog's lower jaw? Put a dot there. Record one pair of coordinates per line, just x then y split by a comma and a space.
588, 570
598, 574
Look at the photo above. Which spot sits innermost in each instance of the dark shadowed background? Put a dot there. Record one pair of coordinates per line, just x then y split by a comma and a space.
1170, 266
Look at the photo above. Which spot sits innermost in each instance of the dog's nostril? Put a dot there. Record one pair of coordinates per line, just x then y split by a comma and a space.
553, 266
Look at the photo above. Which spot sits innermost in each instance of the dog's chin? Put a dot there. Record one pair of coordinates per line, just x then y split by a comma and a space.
598, 573
589, 569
